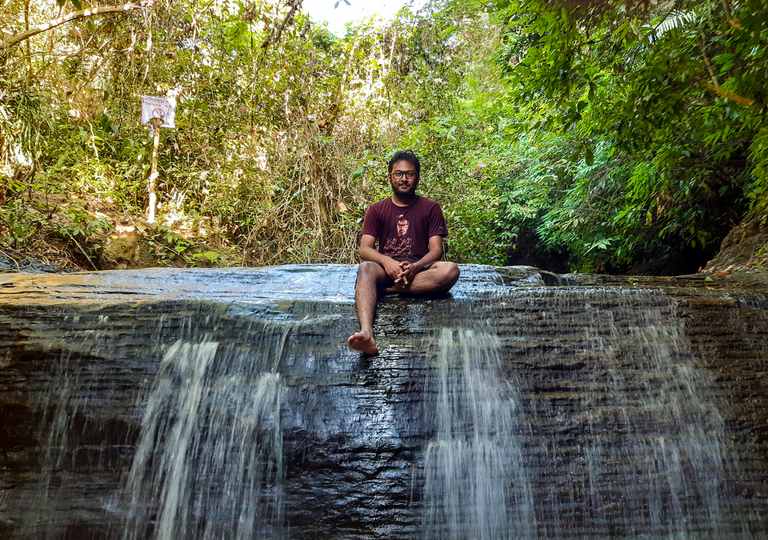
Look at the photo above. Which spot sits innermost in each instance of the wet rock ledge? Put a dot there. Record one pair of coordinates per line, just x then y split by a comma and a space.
639, 406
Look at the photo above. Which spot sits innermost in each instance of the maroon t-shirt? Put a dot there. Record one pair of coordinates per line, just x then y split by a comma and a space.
404, 231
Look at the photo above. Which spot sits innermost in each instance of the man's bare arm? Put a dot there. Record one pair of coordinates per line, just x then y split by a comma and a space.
368, 253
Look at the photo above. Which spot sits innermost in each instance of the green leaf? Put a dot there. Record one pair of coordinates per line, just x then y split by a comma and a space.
589, 156
722, 58
358, 173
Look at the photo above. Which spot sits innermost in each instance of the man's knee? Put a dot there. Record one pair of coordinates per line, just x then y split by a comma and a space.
443, 275
450, 274
369, 269
370, 272
453, 271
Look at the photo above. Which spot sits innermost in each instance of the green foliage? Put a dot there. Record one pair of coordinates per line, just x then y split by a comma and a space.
607, 130
662, 105
18, 225
169, 247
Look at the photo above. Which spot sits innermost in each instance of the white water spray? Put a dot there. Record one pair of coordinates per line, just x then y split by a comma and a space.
209, 459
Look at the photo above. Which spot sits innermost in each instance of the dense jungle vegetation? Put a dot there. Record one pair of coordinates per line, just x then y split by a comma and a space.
592, 136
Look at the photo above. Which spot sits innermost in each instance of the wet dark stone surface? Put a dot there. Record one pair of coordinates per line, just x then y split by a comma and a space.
596, 364
27, 266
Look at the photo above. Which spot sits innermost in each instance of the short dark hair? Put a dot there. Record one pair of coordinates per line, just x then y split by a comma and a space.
408, 156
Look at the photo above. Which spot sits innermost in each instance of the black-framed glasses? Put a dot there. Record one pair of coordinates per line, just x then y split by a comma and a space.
410, 175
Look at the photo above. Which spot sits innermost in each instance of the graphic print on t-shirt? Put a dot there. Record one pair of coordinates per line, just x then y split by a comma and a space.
402, 245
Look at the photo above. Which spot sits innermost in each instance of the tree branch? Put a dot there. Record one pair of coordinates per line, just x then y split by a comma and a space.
707, 62
722, 92
294, 7
729, 15
40, 28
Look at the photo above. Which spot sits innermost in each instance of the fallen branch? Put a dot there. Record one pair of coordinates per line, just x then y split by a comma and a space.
90, 12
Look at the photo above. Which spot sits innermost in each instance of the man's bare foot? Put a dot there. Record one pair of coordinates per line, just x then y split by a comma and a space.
363, 341
397, 287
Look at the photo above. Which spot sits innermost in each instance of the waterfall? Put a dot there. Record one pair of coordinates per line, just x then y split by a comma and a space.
476, 485
209, 459
226, 404
636, 447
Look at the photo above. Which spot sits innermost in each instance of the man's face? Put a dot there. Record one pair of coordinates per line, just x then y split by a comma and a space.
402, 226
404, 186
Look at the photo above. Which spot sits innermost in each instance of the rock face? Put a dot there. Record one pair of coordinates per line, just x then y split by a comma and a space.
744, 248
226, 404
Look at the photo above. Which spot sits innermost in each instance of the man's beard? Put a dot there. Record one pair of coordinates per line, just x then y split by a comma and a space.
410, 194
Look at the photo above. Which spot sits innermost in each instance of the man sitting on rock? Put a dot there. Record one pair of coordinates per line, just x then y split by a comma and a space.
410, 230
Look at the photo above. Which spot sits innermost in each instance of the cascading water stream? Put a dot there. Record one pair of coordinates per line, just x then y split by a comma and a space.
640, 447
476, 484
209, 461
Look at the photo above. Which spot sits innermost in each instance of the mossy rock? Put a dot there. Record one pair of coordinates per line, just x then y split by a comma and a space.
123, 253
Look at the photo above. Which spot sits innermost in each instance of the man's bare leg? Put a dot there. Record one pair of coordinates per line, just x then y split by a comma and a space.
438, 278
369, 276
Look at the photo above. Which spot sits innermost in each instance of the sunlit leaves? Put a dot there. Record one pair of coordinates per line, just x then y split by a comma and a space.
619, 127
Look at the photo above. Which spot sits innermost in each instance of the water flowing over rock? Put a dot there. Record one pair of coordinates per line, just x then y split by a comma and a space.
476, 482
225, 404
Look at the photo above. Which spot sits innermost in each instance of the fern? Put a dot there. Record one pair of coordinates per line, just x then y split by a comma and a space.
673, 20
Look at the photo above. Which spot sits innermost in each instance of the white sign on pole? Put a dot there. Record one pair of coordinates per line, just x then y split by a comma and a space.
158, 107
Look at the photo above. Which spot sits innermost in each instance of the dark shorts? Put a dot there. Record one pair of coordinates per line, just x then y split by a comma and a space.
401, 259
